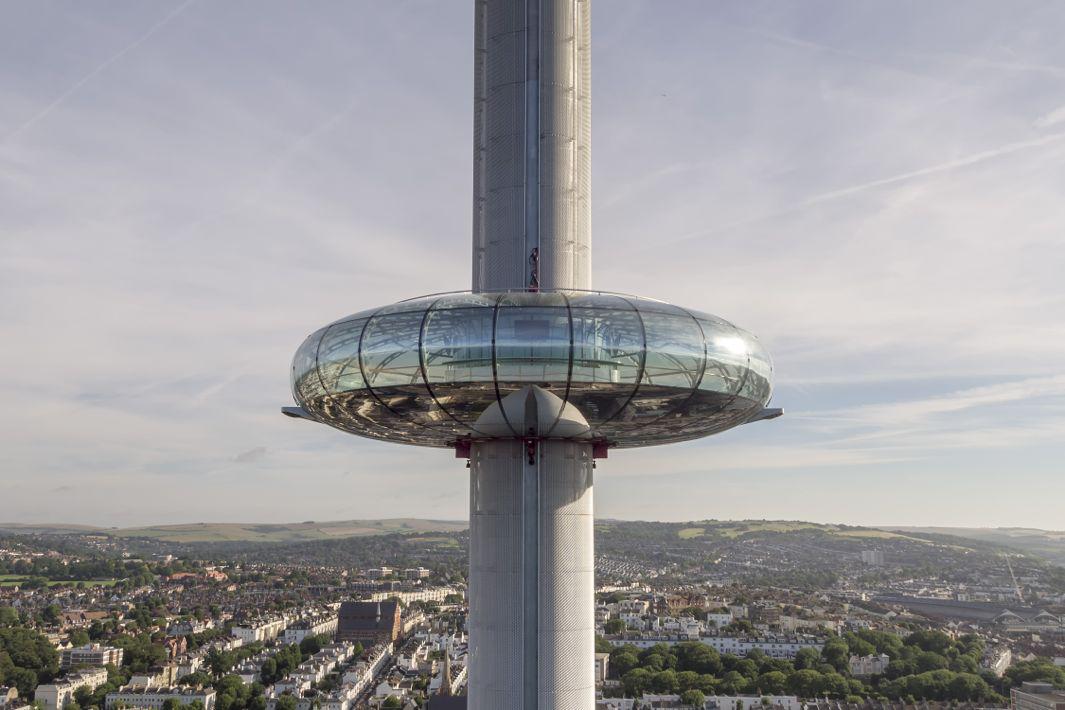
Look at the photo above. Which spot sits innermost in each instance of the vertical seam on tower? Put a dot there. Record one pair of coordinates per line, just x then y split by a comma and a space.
532, 134
530, 583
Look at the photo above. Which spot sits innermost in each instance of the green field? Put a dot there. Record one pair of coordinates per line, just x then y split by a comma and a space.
13, 580
689, 533
257, 532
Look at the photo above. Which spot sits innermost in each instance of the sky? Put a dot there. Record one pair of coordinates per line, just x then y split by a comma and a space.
876, 189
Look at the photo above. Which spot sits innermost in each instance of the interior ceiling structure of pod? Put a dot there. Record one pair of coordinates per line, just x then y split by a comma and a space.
639, 372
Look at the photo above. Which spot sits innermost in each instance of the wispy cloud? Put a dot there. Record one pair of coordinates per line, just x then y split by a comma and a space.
874, 190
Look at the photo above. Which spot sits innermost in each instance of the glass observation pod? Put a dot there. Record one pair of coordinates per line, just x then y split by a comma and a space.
618, 370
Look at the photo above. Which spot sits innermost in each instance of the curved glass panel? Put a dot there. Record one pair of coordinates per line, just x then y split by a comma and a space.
457, 351
726, 357
411, 305
533, 299
350, 405
600, 300
338, 357
647, 305
391, 363
532, 345
306, 384
758, 386
672, 370
608, 354
465, 300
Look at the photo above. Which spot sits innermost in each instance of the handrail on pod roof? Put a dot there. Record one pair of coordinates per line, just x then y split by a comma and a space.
372, 312
597, 291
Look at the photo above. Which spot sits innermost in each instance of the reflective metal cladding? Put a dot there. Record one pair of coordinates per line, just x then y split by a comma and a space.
640, 372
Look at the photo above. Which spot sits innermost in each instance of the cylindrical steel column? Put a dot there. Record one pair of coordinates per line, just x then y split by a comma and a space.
532, 144
532, 568
531, 580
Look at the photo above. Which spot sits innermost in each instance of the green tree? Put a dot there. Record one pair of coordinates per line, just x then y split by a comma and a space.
27, 659
806, 658
773, 682
286, 702
8, 617
623, 659
693, 698
836, 653
698, 657
806, 683
614, 627
636, 682
664, 682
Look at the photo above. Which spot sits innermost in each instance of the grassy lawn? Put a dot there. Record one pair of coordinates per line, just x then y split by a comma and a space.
689, 533
13, 580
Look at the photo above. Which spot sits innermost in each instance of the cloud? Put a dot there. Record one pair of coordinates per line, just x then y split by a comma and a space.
1051, 119
251, 455
874, 191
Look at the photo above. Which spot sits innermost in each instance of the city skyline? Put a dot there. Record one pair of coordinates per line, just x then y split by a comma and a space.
880, 207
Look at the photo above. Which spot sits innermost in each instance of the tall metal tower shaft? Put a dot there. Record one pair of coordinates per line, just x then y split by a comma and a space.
531, 527
532, 143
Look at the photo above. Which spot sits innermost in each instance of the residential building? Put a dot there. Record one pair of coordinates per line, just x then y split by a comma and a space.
749, 702
92, 654
264, 630
997, 659
602, 668
416, 573
54, 696
774, 647
369, 623
316, 626
186, 627
1037, 696
865, 666
153, 698
873, 558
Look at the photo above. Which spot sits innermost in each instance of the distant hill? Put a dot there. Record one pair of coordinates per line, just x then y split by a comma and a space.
1048, 544
250, 532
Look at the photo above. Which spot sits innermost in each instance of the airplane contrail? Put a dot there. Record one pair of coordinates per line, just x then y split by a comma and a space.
947, 166
88, 77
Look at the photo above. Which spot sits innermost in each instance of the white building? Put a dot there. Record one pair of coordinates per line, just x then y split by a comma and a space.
153, 698
317, 626
873, 558
186, 627
259, 631
92, 654
53, 696
432, 594
864, 666
774, 647
602, 668
747, 702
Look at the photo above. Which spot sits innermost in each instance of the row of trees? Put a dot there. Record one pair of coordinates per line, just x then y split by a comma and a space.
925, 665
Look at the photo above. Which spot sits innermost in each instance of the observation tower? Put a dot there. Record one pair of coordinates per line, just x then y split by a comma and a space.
531, 375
